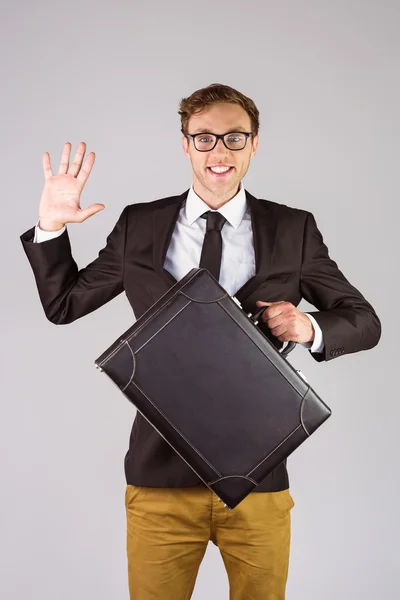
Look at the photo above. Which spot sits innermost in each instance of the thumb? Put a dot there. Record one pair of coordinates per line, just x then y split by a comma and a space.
91, 210
261, 303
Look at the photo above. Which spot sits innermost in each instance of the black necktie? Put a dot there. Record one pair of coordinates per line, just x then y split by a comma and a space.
211, 251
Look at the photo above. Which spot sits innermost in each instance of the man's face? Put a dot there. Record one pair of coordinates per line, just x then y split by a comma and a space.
219, 118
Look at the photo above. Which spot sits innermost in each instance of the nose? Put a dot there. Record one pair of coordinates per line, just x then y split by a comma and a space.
220, 149
222, 145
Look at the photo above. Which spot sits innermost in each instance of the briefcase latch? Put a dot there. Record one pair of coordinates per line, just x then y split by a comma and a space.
250, 315
237, 301
302, 375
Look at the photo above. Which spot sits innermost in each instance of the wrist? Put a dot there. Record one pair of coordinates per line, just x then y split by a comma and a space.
311, 336
49, 225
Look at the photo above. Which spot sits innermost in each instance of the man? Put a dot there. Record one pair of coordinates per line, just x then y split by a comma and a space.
271, 254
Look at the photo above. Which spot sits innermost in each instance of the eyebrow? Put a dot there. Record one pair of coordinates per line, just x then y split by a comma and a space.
231, 130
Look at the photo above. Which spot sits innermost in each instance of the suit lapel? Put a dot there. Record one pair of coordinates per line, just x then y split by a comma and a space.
264, 225
164, 220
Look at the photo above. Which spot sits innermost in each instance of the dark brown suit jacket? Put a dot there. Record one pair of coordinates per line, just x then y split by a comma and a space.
292, 263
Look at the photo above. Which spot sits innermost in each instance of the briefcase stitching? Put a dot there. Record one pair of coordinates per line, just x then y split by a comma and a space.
133, 366
177, 451
235, 477
275, 449
118, 348
146, 320
163, 327
174, 427
301, 413
203, 301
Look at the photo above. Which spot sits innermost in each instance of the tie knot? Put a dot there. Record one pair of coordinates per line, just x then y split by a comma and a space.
214, 220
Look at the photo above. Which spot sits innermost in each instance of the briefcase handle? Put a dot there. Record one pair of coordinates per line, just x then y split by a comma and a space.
256, 317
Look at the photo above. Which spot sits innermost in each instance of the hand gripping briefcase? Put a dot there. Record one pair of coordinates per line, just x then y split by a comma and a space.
213, 386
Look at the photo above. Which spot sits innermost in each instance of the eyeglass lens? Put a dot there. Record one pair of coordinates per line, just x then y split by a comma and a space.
234, 141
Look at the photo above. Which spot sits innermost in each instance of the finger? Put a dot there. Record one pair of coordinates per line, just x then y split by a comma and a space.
266, 315
46, 166
87, 167
260, 303
274, 321
76, 165
91, 210
280, 330
276, 309
285, 337
63, 168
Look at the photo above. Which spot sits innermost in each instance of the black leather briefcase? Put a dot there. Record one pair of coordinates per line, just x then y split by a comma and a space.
214, 386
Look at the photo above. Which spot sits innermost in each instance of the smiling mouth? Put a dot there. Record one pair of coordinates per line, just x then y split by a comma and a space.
220, 172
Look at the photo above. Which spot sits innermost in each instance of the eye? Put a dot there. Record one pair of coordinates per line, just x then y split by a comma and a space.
235, 138
204, 139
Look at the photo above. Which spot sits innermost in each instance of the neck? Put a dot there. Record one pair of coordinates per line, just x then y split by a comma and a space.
213, 200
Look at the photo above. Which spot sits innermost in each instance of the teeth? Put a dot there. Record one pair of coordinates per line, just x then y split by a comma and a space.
219, 169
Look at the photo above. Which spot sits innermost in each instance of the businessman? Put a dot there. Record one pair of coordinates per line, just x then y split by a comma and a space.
264, 253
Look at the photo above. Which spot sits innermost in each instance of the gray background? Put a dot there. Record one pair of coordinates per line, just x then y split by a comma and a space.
325, 77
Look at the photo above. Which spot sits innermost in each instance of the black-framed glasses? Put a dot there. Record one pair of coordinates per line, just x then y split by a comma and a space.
204, 142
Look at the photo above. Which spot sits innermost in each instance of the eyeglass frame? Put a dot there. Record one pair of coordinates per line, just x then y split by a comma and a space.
217, 136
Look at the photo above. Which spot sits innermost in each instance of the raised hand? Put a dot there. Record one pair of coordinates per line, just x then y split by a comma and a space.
60, 201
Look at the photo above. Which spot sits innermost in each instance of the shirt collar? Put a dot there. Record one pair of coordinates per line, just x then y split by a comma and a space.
233, 211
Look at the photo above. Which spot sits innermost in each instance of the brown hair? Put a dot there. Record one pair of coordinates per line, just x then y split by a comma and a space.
214, 94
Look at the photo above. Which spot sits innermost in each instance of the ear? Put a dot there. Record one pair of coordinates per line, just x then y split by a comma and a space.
255, 145
185, 145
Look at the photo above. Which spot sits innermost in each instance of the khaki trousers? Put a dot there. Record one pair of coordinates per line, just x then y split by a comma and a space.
168, 530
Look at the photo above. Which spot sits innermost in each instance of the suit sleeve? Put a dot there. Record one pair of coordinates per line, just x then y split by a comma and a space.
43, 236
348, 322
67, 293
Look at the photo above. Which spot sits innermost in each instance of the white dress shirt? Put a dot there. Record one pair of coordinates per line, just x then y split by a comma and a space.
184, 251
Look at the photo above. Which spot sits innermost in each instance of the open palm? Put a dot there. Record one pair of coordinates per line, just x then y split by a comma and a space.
60, 201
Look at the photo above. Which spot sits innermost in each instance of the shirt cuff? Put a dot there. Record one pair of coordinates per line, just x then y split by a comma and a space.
318, 344
43, 236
